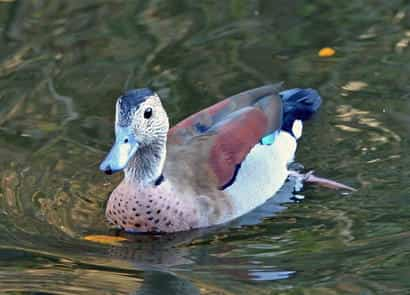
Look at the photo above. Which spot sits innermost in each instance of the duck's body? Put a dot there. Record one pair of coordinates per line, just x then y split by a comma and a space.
210, 168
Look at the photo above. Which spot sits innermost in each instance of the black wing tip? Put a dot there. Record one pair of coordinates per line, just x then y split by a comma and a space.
299, 104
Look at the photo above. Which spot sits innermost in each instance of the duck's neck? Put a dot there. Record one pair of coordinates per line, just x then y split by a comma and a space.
145, 168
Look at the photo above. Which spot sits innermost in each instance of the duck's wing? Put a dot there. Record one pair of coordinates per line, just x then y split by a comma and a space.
264, 98
214, 157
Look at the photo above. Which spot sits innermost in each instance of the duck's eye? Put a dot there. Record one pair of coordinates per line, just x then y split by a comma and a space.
148, 113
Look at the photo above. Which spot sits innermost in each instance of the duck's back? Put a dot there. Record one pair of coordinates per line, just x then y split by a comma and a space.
236, 152
265, 98
221, 136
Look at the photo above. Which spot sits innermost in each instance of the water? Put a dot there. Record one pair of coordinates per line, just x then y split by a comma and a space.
62, 65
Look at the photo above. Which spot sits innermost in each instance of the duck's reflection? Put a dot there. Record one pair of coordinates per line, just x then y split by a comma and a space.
160, 283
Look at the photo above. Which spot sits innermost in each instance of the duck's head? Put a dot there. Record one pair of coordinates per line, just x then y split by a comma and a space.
140, 122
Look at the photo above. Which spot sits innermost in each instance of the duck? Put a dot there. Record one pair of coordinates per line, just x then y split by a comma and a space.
208, 169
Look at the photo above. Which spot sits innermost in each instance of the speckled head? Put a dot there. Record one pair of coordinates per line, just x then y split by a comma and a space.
140, 121
128, 103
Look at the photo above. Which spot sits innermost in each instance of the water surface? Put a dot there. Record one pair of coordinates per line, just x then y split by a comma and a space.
62, 65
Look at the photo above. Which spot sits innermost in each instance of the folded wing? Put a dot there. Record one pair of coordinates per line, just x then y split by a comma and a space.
228, 130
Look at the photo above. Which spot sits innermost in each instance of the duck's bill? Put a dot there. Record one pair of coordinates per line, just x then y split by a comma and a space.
122, 151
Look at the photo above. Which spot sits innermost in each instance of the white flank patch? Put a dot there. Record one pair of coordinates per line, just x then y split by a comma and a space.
262, 174
297, 128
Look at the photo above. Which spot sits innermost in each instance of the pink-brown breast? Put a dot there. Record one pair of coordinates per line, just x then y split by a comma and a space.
150, 209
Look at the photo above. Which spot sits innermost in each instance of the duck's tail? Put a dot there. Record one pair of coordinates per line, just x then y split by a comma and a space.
298, 105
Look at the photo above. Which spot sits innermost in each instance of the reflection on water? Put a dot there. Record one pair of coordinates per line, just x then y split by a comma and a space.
62, 65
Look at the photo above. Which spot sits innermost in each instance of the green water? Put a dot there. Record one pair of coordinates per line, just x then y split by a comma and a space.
62, 65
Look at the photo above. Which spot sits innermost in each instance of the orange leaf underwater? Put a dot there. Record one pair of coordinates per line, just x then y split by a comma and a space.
103, 239
326, 52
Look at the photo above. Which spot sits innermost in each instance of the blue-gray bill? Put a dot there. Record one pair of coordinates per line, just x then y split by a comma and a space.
121, 152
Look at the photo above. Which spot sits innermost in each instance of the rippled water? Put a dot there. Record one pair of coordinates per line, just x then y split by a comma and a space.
62, 65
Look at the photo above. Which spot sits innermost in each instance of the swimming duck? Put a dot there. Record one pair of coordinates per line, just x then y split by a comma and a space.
210, 168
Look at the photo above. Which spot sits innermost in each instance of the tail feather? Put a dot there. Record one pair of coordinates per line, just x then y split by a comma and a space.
298, 104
